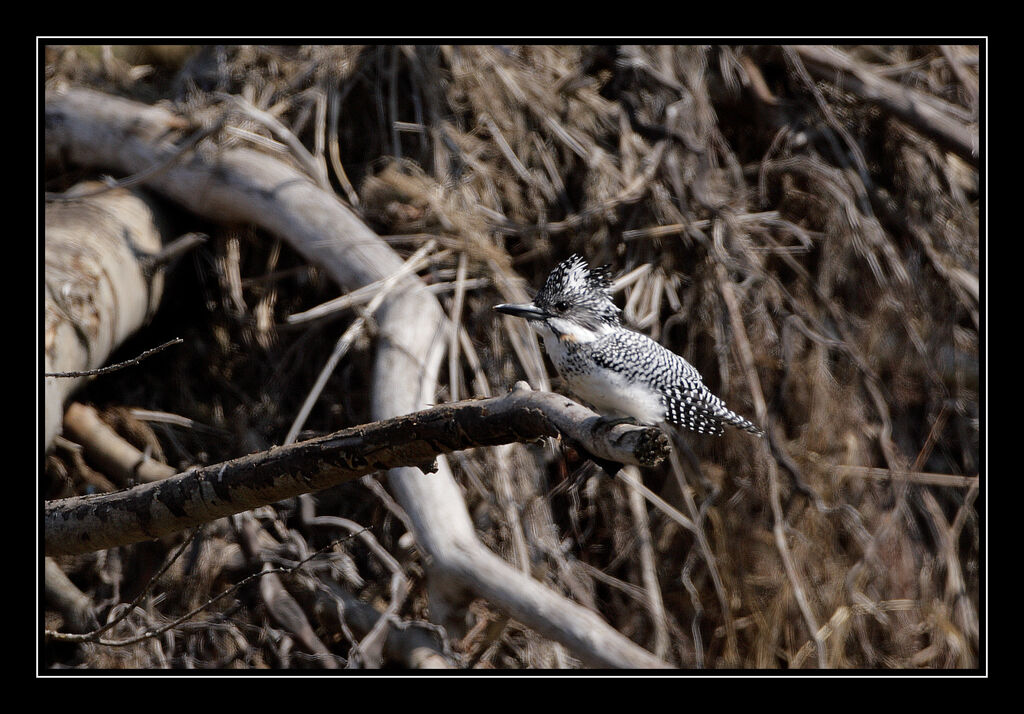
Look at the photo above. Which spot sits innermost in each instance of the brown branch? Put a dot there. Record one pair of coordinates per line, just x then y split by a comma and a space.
64, 596
113, 455
87, 523
95, 635
284, 611
918, 477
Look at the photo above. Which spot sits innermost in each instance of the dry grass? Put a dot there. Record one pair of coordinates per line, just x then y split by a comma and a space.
815, 258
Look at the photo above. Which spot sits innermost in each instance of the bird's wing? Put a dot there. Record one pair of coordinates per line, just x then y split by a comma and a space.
688, 402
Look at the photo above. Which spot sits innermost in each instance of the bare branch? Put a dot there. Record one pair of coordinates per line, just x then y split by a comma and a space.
112, 454
119, 365
86, 523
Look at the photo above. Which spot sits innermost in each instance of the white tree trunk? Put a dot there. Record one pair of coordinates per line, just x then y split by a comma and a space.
96, 291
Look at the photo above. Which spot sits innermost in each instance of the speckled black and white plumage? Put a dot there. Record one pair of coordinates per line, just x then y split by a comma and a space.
617, 370
646, 365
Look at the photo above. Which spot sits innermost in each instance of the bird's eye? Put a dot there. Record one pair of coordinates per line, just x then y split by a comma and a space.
562, 305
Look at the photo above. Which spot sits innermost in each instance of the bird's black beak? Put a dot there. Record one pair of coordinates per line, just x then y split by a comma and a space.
528, 311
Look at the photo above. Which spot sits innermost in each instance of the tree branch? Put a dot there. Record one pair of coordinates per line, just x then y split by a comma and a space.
152, 510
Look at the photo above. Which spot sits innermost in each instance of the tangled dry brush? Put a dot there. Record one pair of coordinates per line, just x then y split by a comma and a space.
800, 223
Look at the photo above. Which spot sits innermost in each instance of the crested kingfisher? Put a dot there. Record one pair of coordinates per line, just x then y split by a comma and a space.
618, 371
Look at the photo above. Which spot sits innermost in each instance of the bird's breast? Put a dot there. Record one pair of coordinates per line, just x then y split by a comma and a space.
610, 392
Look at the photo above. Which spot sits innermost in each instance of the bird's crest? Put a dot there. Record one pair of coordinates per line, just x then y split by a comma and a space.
573, 275
574, 288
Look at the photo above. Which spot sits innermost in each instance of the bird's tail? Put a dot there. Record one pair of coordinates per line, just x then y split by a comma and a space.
734, 419
701, 411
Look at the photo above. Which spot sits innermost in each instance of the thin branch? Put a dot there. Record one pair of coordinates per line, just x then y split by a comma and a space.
375, 289
919, 477
108, 451
349, 337
648, 570
94, 636
173, 250
334, 99
119, 365
778, 530
155, 632
316, 170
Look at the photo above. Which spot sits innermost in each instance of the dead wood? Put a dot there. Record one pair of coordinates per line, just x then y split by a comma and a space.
415, 645
284, 611
75, 606
98, 290
153, 510
244, 185
111, 453
801, 223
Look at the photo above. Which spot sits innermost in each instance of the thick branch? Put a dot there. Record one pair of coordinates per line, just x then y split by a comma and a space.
87, 523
